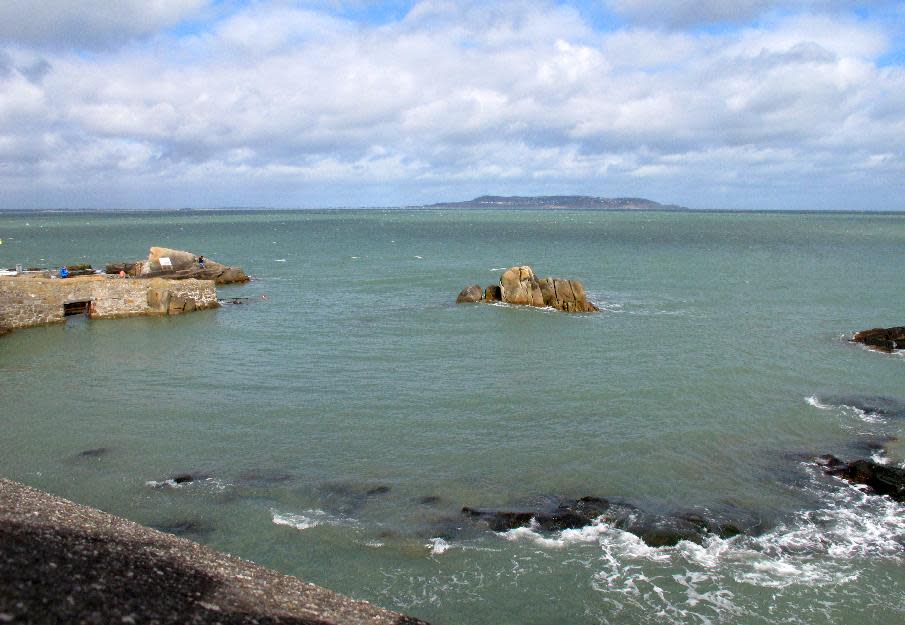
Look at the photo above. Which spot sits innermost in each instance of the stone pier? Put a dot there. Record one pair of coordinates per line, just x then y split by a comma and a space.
34, 301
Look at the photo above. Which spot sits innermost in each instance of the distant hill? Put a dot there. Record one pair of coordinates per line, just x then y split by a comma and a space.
560, 201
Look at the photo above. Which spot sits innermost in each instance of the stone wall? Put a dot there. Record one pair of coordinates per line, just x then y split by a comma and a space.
28, 301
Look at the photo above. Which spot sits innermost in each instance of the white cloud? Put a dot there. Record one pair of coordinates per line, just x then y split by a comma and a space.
287, 106
683, 13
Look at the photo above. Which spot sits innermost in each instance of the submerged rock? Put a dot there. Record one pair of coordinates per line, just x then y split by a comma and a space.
262, 477
521, 287
883, 339
882, 479
185, 527
177, 480
886, 407
655, 530
93, 453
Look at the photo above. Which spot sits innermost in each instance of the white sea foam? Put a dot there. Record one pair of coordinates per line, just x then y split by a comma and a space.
824, 549
588, 534
280, 260
207, 482
311, 518
880, 457
814, 401
437, 546
864, 415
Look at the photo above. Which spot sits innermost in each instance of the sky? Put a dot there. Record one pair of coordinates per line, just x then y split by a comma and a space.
724, 104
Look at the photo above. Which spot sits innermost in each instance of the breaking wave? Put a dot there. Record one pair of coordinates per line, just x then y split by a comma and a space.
813, 553
306, 520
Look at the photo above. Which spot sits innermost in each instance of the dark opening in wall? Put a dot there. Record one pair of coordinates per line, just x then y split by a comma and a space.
77, 308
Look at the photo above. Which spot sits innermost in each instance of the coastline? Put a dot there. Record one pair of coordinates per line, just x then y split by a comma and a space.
65, 562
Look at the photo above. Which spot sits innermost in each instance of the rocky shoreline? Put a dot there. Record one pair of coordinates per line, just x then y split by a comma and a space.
61, 562
170, 282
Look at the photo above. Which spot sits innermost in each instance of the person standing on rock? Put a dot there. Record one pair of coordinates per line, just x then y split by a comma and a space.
201, 261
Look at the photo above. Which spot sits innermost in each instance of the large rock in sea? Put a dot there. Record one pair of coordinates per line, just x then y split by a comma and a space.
885, 339
181, 265
520, 286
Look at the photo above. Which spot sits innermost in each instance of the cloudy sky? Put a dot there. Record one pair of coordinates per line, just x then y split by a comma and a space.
195, 103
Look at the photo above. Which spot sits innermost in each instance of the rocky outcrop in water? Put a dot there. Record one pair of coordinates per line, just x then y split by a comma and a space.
521, 287
178, 264
882, 479
883, 339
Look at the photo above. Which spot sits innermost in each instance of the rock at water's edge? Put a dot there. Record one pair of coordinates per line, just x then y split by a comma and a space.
882, 479
181, 265
470, 294
885, 339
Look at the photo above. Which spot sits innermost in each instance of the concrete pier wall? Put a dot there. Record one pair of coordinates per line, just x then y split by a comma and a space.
30, 301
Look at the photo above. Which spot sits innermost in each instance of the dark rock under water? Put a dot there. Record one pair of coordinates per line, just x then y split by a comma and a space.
89, 454
185, 527
656, 530
886, 407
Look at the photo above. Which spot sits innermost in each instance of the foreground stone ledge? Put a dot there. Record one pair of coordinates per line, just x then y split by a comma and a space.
61, 562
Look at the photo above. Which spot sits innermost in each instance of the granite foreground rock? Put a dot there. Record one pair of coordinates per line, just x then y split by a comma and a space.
521, 287
61, 562
883, 339
179, 265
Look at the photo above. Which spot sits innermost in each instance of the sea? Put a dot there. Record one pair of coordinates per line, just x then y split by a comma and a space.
338, 411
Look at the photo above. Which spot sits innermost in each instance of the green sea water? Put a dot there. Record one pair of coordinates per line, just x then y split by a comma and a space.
340, 420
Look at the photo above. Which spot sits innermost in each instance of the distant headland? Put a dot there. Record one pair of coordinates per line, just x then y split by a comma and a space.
561, 201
